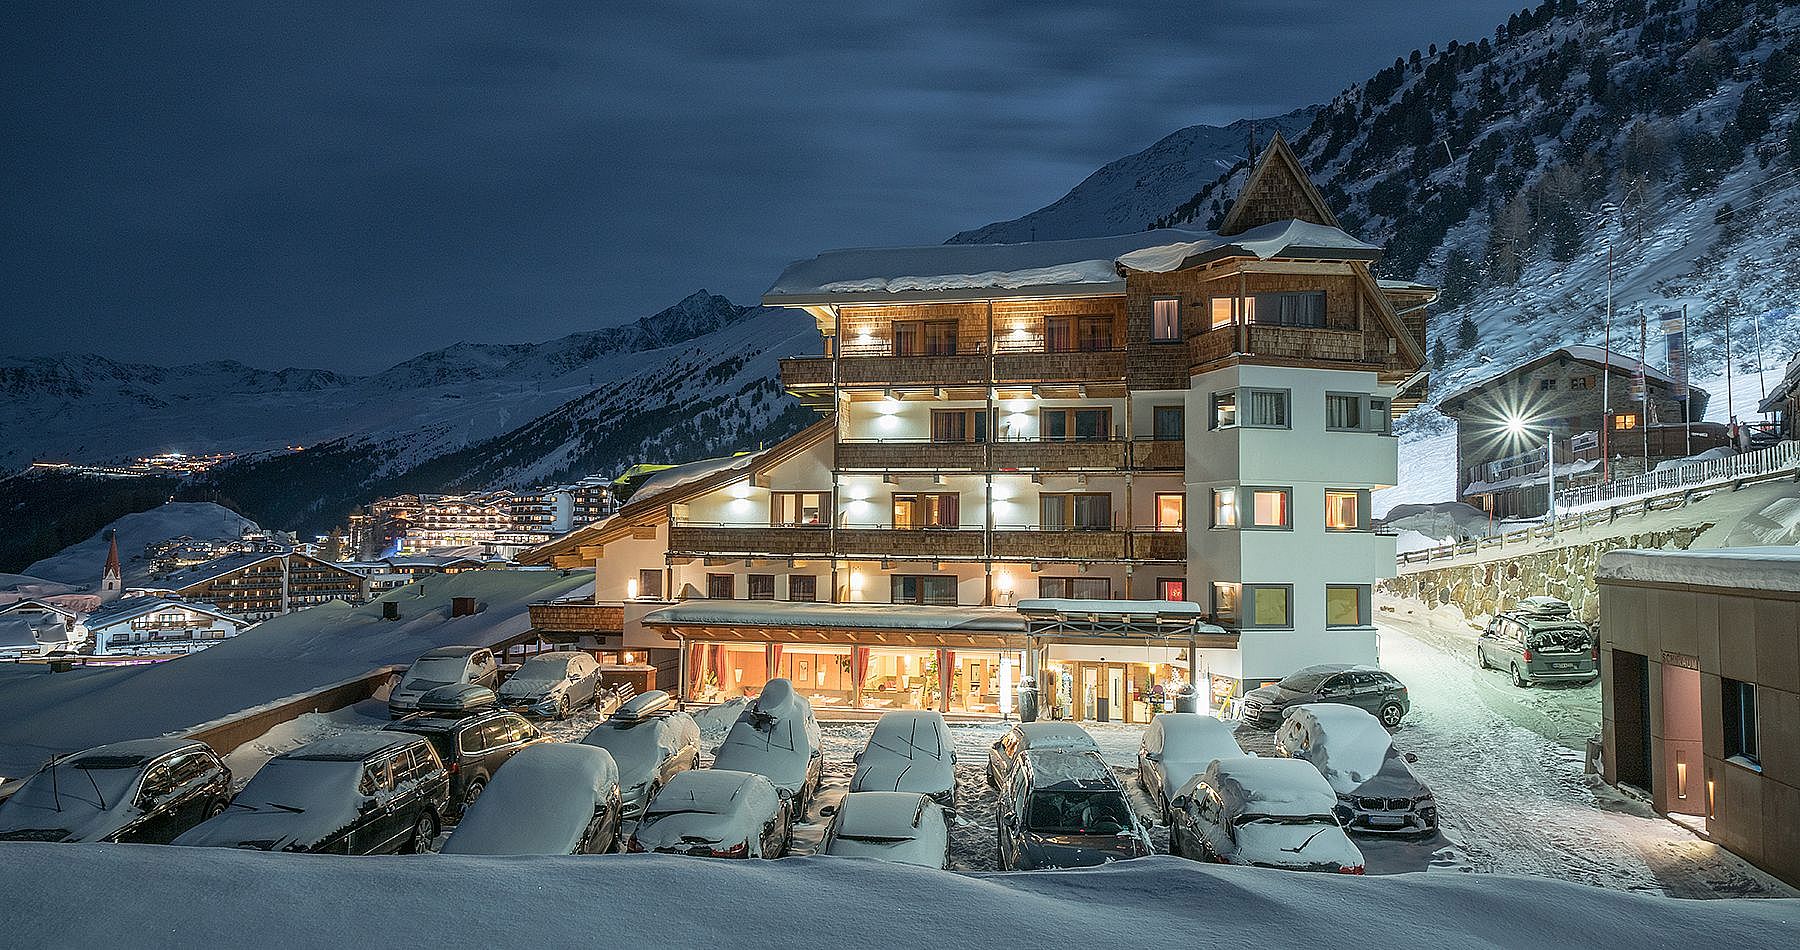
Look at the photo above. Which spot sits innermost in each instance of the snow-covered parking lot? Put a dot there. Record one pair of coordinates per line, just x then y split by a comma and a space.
1504, 763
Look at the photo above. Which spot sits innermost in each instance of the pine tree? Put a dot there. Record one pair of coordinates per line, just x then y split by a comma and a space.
1460, 280
1437, 353
1509, 241
1468, 336
1793, 143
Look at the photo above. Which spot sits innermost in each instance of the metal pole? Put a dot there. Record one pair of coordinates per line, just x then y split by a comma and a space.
1644, 370
1550, 467
1687, 401
1606, 376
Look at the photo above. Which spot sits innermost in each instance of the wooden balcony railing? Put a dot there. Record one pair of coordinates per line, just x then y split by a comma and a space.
959, 369
806, 371
1159, 454
1297, 343
902, 542
1159, 545
578, 616
927, 456
1044, 367
1057, 456
1059, 545
720, 539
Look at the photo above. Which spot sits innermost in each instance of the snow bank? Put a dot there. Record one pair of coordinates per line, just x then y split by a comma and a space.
303, 901
80, 563
1770, 568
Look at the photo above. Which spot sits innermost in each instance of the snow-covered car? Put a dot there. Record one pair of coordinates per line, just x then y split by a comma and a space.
1272, 813
903, 827
776, 736
444, 666
1178, 746
472, 748
650, 741
355, 793
1376, 789
715, 813
1010, 748
1365, 687
552, 684
908, 752
552, 798
143, 790
1063, 808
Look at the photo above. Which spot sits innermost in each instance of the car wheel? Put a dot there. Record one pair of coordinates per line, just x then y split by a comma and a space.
473, 792
217, 809
1519, 679
1391, 714
1481, 659
425, 829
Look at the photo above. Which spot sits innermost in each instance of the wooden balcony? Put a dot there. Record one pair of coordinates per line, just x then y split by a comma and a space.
718, 539
1293, 343
923, 456
912, 370
1057, 456
578, 616
899, 542
1159, 455
806, 372
1159, 545
1073, 367
1059, 545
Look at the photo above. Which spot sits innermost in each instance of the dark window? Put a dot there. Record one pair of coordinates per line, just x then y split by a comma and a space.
959, 425
761, 586
1075, 588
720, 586
1072, 334
924, 589
1167, 422
1547, 385
925, 338
803, 587
1738, 712
1075, 425
650, 583
1079, 511
1302, 309
1266, 407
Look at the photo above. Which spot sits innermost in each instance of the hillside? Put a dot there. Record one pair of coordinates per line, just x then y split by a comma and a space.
1129, 193
80, 563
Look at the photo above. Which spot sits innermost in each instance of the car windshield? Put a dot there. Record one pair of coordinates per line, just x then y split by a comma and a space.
1285, 820
633, 748
437, 671
541, 671
93, 784
1078, 812
300, 784
1304, 681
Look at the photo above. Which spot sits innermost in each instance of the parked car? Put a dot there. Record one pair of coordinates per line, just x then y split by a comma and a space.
1539, 641
716, 813
1376, 789
1271, 813
472, 748
357, 793
909, 752
650, 741
903, 827
1365, 687
554, 798
553, 684
1010, 748
144, 790
1178, 746
444, 666
457, 699
777, 737
1063, 808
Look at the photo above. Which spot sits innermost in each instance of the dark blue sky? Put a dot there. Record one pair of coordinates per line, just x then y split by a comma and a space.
346, 185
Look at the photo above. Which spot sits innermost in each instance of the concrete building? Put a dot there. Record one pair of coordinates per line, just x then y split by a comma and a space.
1161, 419
1700, 674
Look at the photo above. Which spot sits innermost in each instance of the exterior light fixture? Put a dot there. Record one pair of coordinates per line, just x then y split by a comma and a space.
1003, 581
1712, 799
1680, 774
631, 589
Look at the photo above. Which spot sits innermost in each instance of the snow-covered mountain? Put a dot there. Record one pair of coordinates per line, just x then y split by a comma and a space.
80, 563
1129, 193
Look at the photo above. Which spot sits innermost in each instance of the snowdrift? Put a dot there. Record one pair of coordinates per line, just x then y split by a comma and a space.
302, 901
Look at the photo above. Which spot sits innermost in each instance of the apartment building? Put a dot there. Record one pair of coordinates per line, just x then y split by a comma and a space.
257, 586
563, 508
1118, 465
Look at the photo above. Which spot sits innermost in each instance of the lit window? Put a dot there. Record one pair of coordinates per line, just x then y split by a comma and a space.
1225, 508
1225, 602
1171, 588
1268, 605
1221, 311
1269, 507
1224, 410
1341, 510
1169, 508
1165, 319
1344, 606
1625, 420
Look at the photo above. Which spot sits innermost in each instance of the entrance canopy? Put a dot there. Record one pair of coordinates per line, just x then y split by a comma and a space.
1062, 620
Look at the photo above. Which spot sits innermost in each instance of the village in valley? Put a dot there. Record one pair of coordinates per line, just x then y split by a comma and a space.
1334, 554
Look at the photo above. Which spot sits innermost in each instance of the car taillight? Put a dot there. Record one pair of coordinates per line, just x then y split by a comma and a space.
454, 767
1351, 870
1594, 653
1527, 656
631, 845
738, 850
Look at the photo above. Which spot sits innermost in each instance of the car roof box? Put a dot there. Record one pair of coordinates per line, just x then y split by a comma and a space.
1544, 606
459, 698
644, 705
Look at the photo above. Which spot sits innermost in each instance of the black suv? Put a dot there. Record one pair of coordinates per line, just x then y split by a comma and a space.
472, 747
144, 790
355, 793
1366, 687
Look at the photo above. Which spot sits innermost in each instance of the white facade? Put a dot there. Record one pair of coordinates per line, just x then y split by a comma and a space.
158, 627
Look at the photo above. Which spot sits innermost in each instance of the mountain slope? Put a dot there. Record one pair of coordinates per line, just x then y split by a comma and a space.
1129, 193
80, 563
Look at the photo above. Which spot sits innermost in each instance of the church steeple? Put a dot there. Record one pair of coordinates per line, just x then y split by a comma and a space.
112, 578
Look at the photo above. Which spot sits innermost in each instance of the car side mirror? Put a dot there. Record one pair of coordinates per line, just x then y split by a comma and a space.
1179, 804
1410, 757
1153, 756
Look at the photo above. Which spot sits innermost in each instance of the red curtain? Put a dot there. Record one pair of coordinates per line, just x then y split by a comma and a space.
718, 666
774, 660
696, 667
860, 664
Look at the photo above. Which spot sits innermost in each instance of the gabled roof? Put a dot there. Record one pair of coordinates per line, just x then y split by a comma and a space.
647, 509
1579, 352
211, 570
1278, 167
39, 604
131, 608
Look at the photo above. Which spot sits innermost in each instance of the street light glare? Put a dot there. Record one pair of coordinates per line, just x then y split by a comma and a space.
1515, 425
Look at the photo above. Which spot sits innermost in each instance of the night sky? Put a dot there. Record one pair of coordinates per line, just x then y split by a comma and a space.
346, 185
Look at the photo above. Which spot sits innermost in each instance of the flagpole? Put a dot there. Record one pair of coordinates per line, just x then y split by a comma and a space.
1644, 374
1687, 405
1606, 375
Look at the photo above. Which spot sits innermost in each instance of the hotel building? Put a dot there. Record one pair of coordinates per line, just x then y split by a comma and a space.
1119, 464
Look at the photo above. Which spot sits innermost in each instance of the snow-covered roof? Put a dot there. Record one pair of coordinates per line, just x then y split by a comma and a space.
1587, 353
351, 745
20, 633
883, 815
35, 604
211, 570
751, 613
1040, 268
1269, 786
130, 608
1775, 568
1348, 744
908, 751
1056, 734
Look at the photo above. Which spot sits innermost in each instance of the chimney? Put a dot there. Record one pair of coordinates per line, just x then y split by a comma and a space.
390, 610
463, 607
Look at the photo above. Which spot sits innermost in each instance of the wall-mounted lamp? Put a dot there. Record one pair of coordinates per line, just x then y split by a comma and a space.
631, 589
1712, 801
1680, 774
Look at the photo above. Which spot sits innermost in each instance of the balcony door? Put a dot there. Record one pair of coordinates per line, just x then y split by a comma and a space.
927, 510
